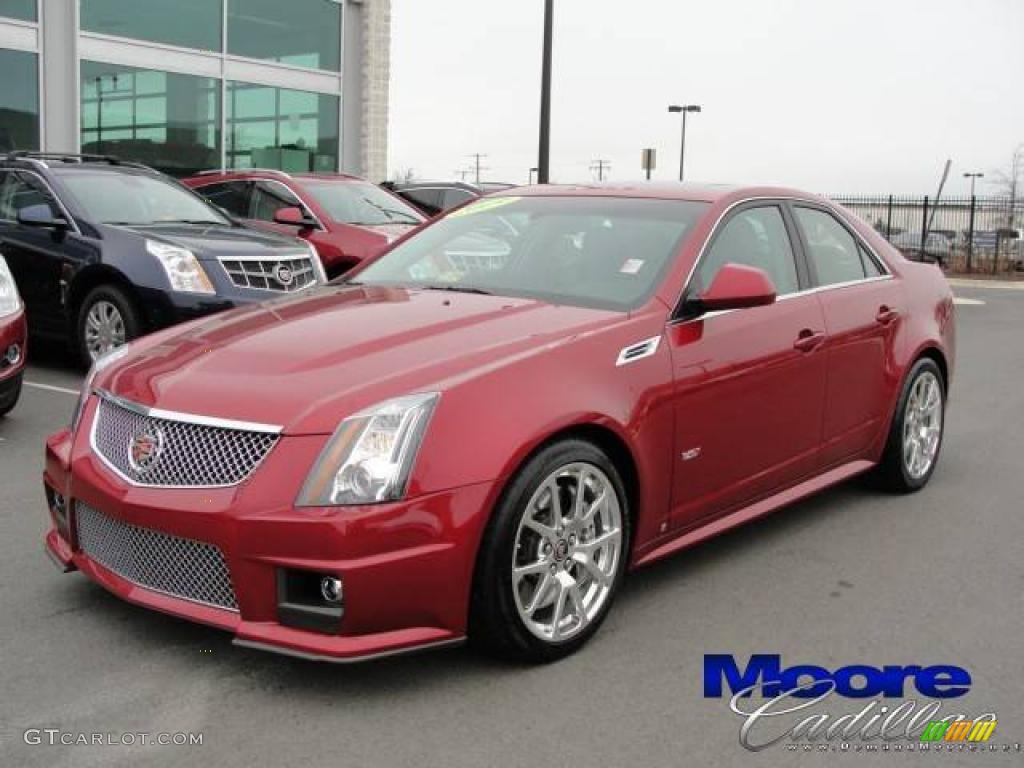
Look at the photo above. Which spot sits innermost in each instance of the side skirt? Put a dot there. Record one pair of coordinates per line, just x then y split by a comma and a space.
754, 511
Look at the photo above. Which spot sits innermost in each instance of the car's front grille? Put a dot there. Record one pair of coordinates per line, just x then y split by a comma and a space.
192, 570
152, 450
282, 275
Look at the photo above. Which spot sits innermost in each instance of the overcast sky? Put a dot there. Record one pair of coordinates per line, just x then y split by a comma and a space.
826, 95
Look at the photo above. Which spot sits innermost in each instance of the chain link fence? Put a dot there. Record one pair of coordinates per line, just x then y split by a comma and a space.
965, 234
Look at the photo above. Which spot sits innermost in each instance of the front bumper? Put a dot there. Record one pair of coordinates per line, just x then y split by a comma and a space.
13, 331
407, 567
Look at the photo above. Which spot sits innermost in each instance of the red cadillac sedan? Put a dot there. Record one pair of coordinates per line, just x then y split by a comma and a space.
13, 339
479, 432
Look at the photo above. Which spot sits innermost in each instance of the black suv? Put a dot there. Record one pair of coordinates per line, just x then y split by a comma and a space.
104, 251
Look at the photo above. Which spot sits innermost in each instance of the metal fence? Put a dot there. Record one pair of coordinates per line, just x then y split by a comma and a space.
965, 234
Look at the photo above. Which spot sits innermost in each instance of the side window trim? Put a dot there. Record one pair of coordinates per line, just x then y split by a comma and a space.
862, 247
724, 222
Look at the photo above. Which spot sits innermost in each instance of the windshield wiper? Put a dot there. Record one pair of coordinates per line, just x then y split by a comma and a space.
457, 289
194, 221
391, 213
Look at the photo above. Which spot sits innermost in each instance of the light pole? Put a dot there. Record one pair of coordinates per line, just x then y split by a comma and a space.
544, 153
973, 177
683, 109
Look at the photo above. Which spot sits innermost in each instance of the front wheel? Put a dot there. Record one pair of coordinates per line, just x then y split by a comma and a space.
553, 556
107, 320
915, 438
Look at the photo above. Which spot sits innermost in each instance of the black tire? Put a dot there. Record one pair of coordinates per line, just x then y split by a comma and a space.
10, 391
495, 622
124, 304
892, 473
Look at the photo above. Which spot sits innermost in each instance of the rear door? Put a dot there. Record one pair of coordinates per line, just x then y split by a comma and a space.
749, 383
863, 308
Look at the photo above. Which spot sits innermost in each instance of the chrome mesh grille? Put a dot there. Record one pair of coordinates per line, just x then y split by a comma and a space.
190, 455
281, 275
193, 570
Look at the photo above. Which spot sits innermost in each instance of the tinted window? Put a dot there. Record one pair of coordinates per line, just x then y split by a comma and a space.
268, 197
17, 193
453, 197
185, 23
833, 251
303, 33
428, 200
19, 101
19, 9
232, 196
754, 237
598, 252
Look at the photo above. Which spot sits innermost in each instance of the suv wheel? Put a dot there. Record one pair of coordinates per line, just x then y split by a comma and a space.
553, 556
107, 320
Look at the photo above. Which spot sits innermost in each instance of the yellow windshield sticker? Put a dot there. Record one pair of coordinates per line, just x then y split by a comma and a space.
483, 205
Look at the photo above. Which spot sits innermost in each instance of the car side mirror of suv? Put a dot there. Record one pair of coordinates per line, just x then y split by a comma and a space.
293, 216
735, 286
40, 215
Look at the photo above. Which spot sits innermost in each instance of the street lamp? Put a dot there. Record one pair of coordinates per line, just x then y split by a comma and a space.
544, 152
683, 110
973, 177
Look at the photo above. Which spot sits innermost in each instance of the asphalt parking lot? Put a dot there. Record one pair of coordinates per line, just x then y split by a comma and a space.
848, 577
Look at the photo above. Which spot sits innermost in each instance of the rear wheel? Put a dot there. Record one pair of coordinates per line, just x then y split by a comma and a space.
107, 320
10, 391
915, 438
553, 556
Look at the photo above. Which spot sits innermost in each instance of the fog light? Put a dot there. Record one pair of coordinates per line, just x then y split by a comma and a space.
331, 589
13, 356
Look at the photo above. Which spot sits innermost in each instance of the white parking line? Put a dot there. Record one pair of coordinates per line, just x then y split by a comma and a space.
967, 302
51, 388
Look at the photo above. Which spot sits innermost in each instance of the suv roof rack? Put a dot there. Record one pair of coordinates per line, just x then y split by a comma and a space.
71, 157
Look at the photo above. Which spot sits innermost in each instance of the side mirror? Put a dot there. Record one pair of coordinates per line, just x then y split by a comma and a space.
737, 287
40, 215
294, 217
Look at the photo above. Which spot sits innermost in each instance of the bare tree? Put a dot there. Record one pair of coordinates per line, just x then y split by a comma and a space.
404, 175
1010, 182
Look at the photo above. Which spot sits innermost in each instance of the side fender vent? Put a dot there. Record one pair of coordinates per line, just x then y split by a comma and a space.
638, 351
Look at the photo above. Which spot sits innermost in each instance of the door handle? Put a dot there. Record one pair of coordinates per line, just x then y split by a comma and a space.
886, 315
808, 340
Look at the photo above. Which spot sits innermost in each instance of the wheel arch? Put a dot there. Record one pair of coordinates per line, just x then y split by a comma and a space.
91, 277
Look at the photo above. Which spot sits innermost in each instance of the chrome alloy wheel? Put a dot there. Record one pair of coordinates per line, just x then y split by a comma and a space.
922, 425
104, 329
567, 552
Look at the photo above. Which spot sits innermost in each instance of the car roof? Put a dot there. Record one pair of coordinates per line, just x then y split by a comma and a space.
270, 173
695, 192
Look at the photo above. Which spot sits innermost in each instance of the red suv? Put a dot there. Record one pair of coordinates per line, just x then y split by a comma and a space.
346, 218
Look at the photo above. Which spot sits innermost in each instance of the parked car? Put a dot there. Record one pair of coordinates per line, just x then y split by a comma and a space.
346, 218
13, 340
423, 451
435, 197
105, 251
937, 247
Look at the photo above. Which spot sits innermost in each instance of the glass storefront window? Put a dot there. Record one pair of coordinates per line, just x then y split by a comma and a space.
184, 23
303, 33
278, 128
19, 9
19, 101
168, 121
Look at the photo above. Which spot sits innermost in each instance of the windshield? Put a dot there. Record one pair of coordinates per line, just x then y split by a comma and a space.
600, 252
362, 203
136, 199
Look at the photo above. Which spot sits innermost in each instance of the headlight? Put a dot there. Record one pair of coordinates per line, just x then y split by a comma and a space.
318, 264
370, 456
83, 397
9, 300
183, 269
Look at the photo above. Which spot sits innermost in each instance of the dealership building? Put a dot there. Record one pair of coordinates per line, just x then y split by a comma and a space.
186, 85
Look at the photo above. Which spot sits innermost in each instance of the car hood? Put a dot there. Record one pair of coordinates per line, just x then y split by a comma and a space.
213, 242
306, 363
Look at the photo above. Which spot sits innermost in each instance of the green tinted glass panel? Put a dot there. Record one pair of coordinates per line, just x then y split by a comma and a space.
303, 33
165, 120
18, 9
185, 23
19, 101
283, 129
